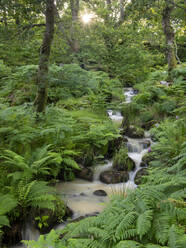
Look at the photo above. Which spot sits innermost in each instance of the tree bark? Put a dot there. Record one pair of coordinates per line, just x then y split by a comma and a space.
42, 76
74, 5
122, 13
169, 35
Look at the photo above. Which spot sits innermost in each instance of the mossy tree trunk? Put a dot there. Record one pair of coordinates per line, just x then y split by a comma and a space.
169, 35
42, 76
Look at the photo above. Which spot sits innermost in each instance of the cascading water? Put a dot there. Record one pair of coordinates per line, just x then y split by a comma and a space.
78, 194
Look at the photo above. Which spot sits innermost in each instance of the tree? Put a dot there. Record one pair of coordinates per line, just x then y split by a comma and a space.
74, 5
42, 83
165, 10
169, 35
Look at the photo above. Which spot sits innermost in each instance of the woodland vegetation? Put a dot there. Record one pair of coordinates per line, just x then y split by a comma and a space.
63, 64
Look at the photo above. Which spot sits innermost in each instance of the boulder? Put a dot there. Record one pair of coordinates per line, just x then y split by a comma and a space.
127, 165
134, 132
147, 158
85, 173
100, 192
121, 161
82, 194
12, 235
145, 143
125, 140
113, 146
138, 179
112, 176
147, 125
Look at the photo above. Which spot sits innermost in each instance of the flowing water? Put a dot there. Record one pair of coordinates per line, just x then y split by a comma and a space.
78, 194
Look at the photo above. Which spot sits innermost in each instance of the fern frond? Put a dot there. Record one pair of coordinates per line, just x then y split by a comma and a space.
125, 224
128, 244
144, 222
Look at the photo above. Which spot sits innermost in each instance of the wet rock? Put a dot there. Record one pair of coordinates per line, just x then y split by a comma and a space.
112, 176
100, 192
85, 173
12, 235
145, 143
134, 132
121, 161
143, 165
139, 176
82, 194
125, 140
127, 165
147, 158
61, 212
114, 145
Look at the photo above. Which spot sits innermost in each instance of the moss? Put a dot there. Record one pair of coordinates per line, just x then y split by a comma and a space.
134, 132
122, 162
46, 219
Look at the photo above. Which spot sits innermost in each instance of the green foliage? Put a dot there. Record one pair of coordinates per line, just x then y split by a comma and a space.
7, 203
42, 221
75, 128
4, 70
122, 161
41, 162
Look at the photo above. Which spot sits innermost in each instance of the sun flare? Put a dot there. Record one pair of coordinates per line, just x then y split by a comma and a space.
86, 18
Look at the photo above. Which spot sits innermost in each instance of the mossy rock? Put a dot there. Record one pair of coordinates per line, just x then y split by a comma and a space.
85, 173
113, 146
12, 235
112, 177
46, 219
134, 132
128, 165
147, 158
139, 176
122, 162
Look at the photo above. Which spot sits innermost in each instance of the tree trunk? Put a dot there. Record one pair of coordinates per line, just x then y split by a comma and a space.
74, 5
169, 35
5, 18
122, 13
42, 80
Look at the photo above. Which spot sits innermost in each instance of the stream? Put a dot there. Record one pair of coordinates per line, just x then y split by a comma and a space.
78, 194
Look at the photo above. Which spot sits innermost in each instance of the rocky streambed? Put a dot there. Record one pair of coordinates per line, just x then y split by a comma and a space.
89, 197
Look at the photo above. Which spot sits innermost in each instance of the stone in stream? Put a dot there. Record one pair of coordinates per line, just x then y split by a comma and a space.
112, 176
134, 132
147, 158
139, 176
128, 165
122, 162
85, 173
82, 194
145, 143
114, 145
100, 192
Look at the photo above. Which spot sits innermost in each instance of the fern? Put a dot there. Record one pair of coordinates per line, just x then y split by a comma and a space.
128, 244
7, 203
144, 223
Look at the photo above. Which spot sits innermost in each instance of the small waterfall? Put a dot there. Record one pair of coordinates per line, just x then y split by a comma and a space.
78, 194
100, 168
129, 94
115, 116
30, 232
